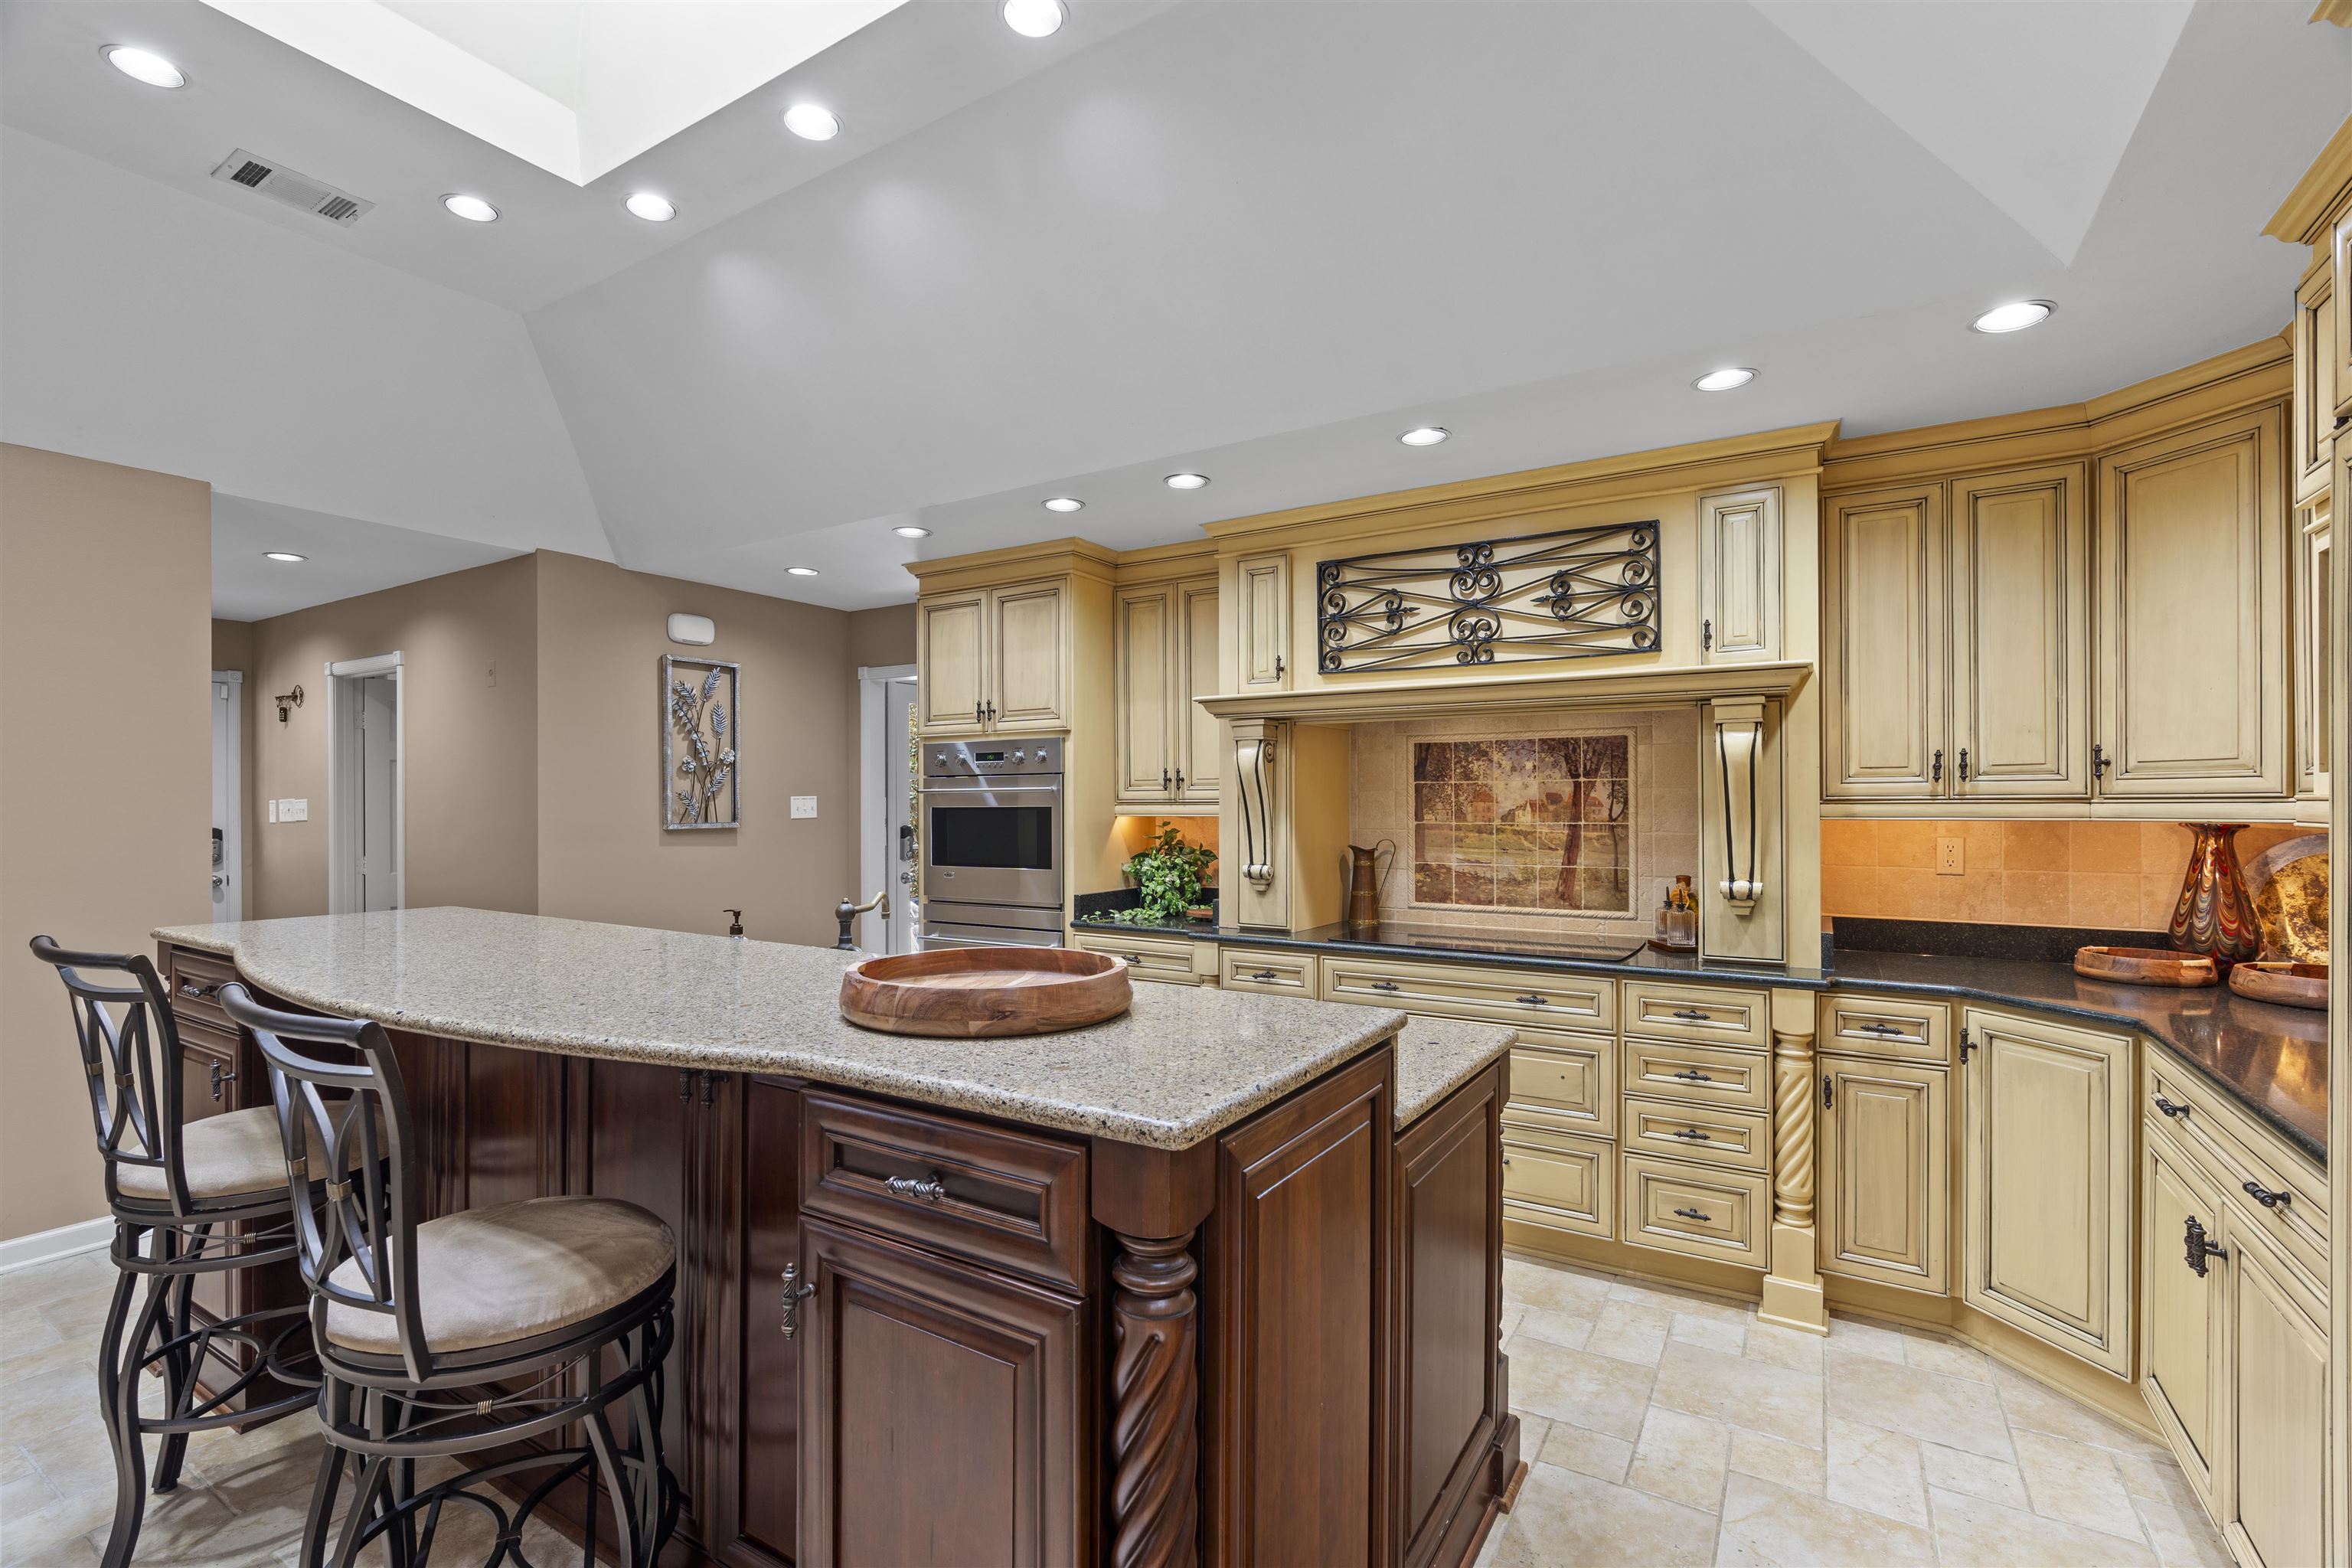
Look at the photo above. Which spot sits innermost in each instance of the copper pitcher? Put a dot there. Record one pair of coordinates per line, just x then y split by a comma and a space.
1365, 882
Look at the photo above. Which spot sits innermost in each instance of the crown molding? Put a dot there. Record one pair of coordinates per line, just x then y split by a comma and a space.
2304, 217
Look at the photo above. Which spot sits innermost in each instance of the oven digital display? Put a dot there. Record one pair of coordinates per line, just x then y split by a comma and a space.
988, 756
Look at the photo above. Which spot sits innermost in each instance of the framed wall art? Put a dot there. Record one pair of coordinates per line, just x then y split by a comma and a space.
701, 744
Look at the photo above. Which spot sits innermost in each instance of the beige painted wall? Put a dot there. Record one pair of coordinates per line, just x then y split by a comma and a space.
602, 852
471, 769
881, 637
105, 775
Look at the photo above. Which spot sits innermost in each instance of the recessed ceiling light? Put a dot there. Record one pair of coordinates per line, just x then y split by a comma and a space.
800, 571
1187, 481
1034, 18
1427, 435
283, 555
2014, 317
908, 530
1726, 379
813, 120
473, 209
145, 65
1068, 503
651, 208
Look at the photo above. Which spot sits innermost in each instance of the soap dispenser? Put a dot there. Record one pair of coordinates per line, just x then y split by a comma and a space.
735, 925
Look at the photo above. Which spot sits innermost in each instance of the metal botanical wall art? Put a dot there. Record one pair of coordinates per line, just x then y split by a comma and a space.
701, 720
1577, 594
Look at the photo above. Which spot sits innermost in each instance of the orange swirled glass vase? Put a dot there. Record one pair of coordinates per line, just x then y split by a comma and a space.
2216, 914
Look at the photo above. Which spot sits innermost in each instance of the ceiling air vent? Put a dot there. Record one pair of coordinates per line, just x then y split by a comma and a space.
280, 184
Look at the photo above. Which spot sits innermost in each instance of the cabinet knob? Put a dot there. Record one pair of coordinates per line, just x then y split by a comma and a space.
929, 1189
2266, 1196
2196, 1247
796, 1291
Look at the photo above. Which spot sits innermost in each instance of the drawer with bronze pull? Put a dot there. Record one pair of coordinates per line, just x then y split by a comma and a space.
1267, 970
2258, 1175
1010, 1200
1167, 959
1488, 993
1862, 1025
1716, 1134
1706, 1214
1713, 1015
195, 981
1558, 1181
1708, 1075
1563, 1083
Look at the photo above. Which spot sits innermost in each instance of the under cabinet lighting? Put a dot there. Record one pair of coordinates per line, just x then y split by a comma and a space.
1034, 18
286, 555
651, 208
1427, 435
1725, 380
145, 65
1068, 503
2014, 317
473, 209
800, 571
1187, 481
812, 120
908, 530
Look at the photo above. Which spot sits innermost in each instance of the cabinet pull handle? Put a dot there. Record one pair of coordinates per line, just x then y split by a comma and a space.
197, 993
796, 1291
2099, 761
1706, 635
1693, 1134
2169, 1109
1179, 778
1132, 957
1163, 779
1383, 986
1936, 767
2341, 420
1966, 1045
2196, 1249
1829, 1091
1691, 1075
220, 1078
992, 709
1877, 1028
975, 713
1532, 999
2267, 1197
1964, 764
929, 1189
686, 1086
1693, 1016
1699, 1215
1261, 975
1277, 667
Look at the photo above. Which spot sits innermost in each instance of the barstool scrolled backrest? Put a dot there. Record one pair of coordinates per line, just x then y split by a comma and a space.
355, 1197
130, 1045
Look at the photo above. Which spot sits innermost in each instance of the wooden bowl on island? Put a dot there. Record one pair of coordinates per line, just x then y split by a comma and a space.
2287, 983
972, 993
2147, 966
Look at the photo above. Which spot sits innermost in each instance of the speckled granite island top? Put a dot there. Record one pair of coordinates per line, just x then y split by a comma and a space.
1434, 1057
1181, 1066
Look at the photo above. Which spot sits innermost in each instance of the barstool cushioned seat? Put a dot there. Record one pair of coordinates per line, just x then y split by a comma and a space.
235, 1152
513, 1271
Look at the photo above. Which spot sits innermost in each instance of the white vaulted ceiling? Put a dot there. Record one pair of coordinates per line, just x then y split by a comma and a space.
1256, 240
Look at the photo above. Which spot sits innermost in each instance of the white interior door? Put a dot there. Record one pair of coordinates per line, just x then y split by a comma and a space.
379, 769
899, 817
228, 795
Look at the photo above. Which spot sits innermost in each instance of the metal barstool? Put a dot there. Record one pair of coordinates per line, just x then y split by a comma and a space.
490, 1329
187, 1199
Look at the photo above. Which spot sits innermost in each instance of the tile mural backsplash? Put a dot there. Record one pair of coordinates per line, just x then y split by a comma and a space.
1527, 823
1547, 823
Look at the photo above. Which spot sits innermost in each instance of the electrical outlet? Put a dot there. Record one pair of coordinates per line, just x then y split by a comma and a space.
1948, 859
804, 806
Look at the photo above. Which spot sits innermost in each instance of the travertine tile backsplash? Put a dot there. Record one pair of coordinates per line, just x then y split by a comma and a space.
2108, 875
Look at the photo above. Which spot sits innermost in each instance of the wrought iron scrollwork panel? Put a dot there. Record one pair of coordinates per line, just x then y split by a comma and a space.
1577, 594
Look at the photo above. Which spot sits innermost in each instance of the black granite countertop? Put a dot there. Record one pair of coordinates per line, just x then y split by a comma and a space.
2272, 1060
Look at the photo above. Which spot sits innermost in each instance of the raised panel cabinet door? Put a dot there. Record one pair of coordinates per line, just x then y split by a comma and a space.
1199, 738
2274, 1503
754, 1503
954, 678
1884, 1184
1739, 576
2046, 1165
2181, 1353
1027, 656
2192, 574
2318, 653
2312, 438
942, 1416
2341, 266
1261, 620
1449, 1289
1883, 646
1145, 654
2020, 635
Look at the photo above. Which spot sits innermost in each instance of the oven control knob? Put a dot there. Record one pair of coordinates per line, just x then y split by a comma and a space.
1020, 756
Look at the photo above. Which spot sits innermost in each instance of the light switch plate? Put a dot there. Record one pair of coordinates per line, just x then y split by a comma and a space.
1948, 858
804, 806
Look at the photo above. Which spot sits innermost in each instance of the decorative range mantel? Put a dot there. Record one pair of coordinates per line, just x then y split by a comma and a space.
1658, 687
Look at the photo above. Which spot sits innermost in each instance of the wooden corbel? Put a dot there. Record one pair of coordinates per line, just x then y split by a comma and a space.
1253, 772
1738, 743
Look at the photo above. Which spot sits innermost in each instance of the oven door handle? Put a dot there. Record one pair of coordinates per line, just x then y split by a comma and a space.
954, 789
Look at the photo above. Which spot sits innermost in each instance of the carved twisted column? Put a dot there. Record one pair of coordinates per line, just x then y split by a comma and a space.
1792, 1288
1156, 1401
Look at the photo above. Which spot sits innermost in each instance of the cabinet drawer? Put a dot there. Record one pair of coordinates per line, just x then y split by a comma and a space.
1708, 1213
2231, 1152
1261, 968
1475, 991
1715, 1014
1559, 1180
1886, 1026
195, 982
1708, 1075
1564, 1083
1167, 959
1714, 1133
1005, 1199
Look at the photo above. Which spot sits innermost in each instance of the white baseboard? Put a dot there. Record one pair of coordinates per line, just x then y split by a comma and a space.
45, 1245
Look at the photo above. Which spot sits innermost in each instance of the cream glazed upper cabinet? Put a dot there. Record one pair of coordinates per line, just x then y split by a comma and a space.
2319, 656
1169, 753
2314, 422
1883, 645
1262, 621
2190, 572
994, 660
1739, 576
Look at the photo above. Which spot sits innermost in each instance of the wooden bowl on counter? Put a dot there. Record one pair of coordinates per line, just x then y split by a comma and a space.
2147, 966
973, 992
2286, 983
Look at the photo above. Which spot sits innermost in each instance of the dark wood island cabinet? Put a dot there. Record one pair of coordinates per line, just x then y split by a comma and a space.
911, 1334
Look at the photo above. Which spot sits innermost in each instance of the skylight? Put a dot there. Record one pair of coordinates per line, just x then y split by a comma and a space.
577, 87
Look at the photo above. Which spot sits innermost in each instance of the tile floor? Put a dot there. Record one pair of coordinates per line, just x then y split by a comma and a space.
1659, 1427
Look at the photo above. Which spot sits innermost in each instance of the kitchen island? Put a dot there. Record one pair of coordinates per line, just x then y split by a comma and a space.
1180, 1285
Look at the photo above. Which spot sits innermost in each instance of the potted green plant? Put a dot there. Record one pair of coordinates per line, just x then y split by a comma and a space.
1167, 874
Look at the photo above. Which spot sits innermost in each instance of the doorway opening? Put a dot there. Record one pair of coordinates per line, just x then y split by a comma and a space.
367, 828
888, 851
228, 794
